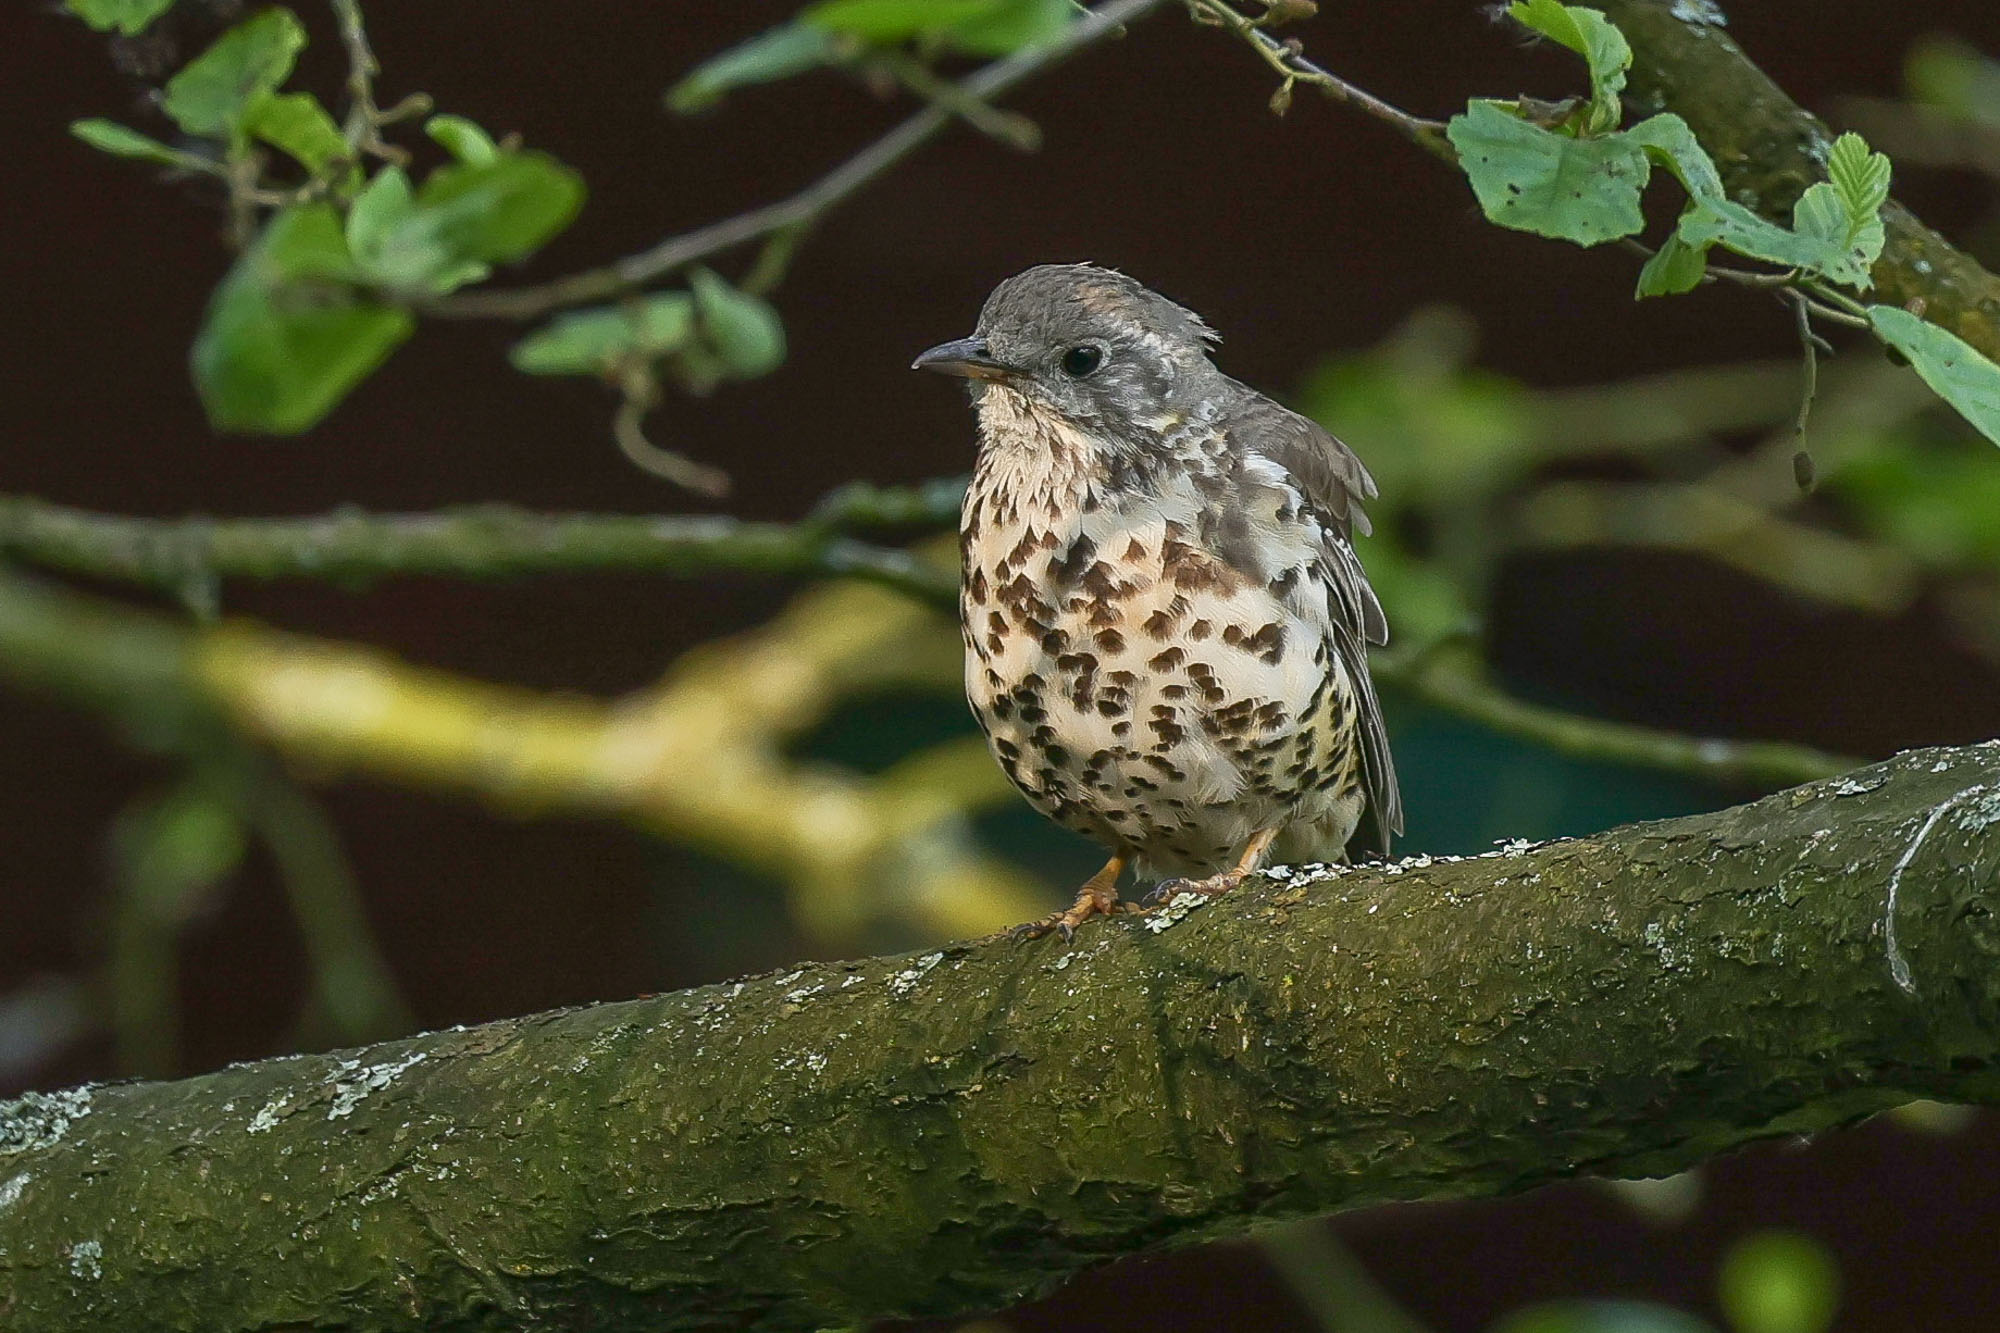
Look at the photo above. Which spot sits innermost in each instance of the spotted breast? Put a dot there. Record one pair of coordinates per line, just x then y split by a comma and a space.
1165, 620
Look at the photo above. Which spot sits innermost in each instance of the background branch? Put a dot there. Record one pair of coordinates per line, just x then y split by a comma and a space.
927, 1135
803, 208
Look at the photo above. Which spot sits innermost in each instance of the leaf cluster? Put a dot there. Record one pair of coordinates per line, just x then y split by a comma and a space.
1576, 176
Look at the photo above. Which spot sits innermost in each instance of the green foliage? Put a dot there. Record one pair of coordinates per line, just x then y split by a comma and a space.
1947, 74
1592, 36
765, 58
466, 216
286, 337
1581, 179
1533, 179
1779, 1282
1955, 371
1935, 502
743, 330
1674, 268
109, 136
605, 340
1836, 229
1601, 1317
463, 139
297, 124
977, 27
214, 93
130, 17
835, 31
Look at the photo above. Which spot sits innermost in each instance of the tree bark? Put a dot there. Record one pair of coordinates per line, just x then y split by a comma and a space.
952, 1131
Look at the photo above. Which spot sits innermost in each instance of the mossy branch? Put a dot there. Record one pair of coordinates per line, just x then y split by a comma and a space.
946, 1133
471, 542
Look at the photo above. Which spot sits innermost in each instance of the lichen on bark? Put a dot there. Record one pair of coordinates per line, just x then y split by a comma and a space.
951, 1131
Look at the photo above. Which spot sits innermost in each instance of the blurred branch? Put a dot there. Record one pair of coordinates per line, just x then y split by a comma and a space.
1871, 576
1451, 681
805, 207
920, 1136
701, 757
484, 541
1327, 1279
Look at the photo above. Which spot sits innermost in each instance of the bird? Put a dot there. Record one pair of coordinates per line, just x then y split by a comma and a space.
1166, 624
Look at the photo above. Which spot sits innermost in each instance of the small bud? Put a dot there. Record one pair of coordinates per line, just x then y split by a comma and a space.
1803, 471
1277, 13
1281, 100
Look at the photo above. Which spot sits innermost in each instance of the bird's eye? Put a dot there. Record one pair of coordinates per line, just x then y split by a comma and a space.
1080, 361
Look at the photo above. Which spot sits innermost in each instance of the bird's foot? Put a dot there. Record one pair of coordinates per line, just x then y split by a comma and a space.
1169, 889
1094, 900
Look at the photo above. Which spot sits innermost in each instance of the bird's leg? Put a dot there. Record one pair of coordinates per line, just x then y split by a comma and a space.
1246, 866
1097, 897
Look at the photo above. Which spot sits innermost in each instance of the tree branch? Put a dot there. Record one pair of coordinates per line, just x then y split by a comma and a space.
944, 1133
805, 207
474, 541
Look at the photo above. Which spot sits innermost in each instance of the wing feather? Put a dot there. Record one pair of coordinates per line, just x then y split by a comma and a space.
1335, 481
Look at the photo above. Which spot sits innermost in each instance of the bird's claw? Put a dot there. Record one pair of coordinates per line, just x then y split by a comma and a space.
1169, 889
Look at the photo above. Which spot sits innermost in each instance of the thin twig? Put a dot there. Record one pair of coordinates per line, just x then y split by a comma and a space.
1290, 62
1810, 346
800, 209
628, 427
364, 118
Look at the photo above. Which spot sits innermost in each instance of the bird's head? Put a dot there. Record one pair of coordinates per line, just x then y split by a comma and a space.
1089, 347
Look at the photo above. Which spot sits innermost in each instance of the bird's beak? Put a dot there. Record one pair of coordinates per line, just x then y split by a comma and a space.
967, 356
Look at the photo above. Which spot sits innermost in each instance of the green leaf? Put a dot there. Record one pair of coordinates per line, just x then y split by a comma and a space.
766, 58
1779, 1282
300, 126
464, 217
130, 17
1954, 369
501, 210
1674, 268
1592, 36
1012, 27
744, 331
978, 27
1860, 179
215, 91
1532, 179
603, 339
1727, 223
1601, 1317
463, 139
374, 223
1669, 142
285, 339
109, 136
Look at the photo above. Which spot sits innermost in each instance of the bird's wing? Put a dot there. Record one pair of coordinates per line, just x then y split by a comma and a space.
1335, 482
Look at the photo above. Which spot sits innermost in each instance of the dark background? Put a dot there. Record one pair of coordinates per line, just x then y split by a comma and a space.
1294, 237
